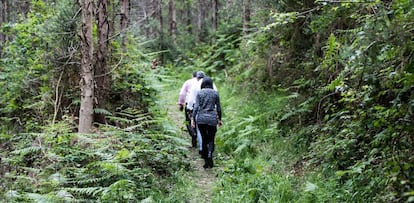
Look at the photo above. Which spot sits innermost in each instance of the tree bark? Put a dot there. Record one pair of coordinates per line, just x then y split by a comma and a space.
246, 16
172, 20
214, 18
161, 28
200, 23
101, 69
189, 23
3, 19
124, 23
87, 72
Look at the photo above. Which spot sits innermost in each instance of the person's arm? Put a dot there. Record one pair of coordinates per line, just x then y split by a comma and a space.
192, 96
218, 108
182, 94
195, 110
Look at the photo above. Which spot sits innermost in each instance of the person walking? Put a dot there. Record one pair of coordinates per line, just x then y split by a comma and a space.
207, 115
184, 104
191, 102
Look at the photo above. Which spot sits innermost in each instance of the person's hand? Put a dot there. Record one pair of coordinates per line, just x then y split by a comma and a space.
181, 107
192, 123
220, 123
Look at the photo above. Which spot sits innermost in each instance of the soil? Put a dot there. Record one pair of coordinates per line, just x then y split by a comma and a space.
202, 178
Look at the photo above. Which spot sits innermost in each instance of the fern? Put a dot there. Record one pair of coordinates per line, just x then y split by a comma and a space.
102, 111
94, 181
122, 190
27, 150
88, 191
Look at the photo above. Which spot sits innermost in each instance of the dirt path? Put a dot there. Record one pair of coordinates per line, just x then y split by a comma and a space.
203, 179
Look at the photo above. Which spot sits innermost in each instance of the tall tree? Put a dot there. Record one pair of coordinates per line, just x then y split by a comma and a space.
246, 16
125, 8
161, 27
172, 20
200, 19
3, 19
87, 70
214, 17
101, 68
188, 18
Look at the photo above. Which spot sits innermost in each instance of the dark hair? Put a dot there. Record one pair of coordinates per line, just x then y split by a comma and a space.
195, 73
207, 83
200, 74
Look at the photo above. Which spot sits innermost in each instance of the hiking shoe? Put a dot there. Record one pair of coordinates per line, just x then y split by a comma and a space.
210, 162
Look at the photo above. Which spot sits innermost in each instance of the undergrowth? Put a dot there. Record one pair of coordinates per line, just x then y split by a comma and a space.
142, 158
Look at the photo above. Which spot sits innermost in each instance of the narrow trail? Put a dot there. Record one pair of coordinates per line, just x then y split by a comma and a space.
202, 179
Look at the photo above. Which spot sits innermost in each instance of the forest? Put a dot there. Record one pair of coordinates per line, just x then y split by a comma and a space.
317, 100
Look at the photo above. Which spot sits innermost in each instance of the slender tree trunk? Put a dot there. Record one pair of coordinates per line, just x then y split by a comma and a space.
101, 69
189, 23
3, 19
214, 18
24, 7
173, 20
147, 21
87, 72
246, 16
161, 27
124, 22
200, 22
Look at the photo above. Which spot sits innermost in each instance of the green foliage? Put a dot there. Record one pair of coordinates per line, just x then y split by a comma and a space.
26, 94
109, 166
348, 69
317, 98
362, 121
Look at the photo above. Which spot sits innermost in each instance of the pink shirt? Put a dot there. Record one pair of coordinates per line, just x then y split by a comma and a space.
192, 95
185, 91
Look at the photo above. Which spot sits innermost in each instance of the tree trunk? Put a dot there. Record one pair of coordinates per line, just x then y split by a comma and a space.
101, 69
87, 73
200, 19
161, 28
173, 20
214, 18
124, 23
246, 16
3, 19
189, 23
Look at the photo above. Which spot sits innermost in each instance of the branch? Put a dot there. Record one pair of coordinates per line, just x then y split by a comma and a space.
116, 66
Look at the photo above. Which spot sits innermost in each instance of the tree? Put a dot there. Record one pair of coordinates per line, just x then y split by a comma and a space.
124, 22
214, 17
200, 19
246, 15
3, 19
87, 70
101, 68
172, 20
187, 19
161, 26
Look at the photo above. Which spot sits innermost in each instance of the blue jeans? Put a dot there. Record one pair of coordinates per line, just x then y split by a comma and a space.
199, 139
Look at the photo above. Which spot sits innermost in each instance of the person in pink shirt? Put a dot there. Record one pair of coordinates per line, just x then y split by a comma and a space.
184, 104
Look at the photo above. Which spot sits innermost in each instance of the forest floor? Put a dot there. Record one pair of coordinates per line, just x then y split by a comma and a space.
202, 180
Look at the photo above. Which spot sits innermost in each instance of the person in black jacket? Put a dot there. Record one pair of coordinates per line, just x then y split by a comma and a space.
207, 115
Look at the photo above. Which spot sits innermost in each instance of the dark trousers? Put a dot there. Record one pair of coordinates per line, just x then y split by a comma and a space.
191, 131
208, 133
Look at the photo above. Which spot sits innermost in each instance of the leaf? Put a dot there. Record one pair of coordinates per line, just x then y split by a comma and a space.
27, 150
102, 111
310, 187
